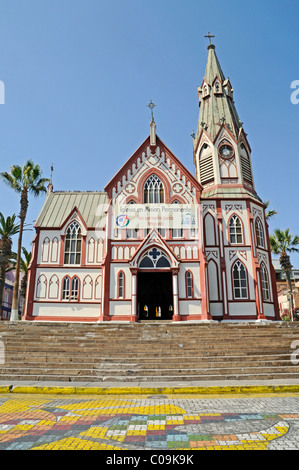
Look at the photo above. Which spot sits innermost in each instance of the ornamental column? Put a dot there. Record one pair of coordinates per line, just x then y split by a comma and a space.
134, 314
175, 287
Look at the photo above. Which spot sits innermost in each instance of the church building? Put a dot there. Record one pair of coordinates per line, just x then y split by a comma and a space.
160, 243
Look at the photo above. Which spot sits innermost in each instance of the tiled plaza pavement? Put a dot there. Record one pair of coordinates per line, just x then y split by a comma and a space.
154, 422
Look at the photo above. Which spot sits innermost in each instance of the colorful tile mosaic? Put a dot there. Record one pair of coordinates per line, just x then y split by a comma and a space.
116, 423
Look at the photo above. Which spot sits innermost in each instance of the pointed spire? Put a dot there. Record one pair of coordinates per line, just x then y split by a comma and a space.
216, 98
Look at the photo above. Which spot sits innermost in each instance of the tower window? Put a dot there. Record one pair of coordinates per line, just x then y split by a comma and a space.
73, 241
240, 281
259, 233
265, 283
235, 230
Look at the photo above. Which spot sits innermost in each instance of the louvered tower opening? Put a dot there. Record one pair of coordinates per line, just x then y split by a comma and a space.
246, 169
206, 170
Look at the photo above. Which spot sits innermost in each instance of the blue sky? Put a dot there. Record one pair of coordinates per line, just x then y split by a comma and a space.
78, 75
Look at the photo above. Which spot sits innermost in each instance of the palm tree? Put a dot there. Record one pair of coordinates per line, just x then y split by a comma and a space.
8, 228
269, 212
282, 243
24, 180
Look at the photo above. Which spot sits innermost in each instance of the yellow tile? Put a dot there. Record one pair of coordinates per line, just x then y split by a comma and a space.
136, 432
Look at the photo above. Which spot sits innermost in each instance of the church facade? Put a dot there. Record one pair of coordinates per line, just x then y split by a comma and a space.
158, 242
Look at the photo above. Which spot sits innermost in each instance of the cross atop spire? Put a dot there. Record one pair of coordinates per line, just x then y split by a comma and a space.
151, 105
210, 36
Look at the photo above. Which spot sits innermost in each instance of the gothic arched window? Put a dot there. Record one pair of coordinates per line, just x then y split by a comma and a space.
155, 259
265, 283
66, 288
259, 233
153, 191
121, 285
70, 288
72, 247
189, 284
240, 281
235, 230
75, 288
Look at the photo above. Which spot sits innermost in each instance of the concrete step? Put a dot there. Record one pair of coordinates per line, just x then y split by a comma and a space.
147, 352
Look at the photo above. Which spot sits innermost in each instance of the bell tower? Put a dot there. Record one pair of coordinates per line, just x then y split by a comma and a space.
222, 154
240, 277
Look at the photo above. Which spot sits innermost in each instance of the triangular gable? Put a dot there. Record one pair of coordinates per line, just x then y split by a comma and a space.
223, 127
74, 215
153, 239
133, 161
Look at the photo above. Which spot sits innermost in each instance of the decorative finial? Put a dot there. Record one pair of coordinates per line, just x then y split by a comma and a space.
50, 185
210, 36
151, 105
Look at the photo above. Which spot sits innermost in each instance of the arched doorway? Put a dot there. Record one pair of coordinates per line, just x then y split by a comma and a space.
154, 286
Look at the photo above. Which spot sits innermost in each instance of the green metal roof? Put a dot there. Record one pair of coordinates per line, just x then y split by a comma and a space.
229, 193
59, 204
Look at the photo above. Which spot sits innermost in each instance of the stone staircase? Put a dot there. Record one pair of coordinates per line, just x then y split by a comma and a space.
147, 351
